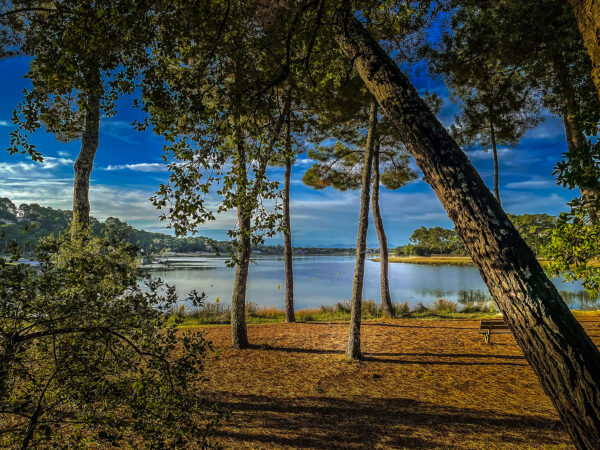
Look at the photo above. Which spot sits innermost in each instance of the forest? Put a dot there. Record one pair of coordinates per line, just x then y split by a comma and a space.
94, 352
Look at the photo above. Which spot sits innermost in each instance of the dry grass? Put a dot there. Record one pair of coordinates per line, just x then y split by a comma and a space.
439, 260
423, 383
449, 260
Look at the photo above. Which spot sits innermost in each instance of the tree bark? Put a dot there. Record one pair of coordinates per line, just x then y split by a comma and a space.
565, 360
361, 240
587, 13
239, 333
496, 168
386, 300
85, 161
287, 232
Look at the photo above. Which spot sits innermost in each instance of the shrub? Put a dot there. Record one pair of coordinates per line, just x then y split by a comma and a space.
420, 308
102, 348
251, 309
441, 306
344, 307
369, 308
402, 309
479, 307
328, 309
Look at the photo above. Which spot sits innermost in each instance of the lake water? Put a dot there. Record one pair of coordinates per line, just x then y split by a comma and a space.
326, 280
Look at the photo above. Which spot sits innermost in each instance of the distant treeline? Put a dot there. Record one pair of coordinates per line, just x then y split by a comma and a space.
534, 228
26, 224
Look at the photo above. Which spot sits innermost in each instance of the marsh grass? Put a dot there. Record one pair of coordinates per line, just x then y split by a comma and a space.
214, 314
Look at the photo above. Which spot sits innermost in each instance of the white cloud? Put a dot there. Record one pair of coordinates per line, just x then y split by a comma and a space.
531, 184
139, 167
30, 170
304, 162
550, 128
479, 155
4, 123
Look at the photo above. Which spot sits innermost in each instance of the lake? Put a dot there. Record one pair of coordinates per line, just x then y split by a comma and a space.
325, 280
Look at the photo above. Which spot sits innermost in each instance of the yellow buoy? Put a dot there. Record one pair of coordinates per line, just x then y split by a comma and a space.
278, 286
217, 299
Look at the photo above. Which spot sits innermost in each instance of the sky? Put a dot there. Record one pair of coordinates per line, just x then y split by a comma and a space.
128, 170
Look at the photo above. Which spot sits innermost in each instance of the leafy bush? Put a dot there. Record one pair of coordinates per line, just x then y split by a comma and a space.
574, 247
87, 358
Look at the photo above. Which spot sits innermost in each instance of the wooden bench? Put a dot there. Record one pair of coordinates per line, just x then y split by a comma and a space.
492, 326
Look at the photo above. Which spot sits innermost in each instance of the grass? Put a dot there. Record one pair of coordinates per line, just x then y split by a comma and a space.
447, 260
214, 314
422, 383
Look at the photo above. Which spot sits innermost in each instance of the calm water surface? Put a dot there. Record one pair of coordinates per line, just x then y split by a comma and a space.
325, 280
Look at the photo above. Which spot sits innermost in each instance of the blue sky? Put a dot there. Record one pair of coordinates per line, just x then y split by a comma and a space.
128, 169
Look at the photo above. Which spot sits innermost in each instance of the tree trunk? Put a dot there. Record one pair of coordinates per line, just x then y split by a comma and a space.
287, 232
361, 241
562, 355
496, 168
575, 137
386, 300
238, 301
587, 13
85, 161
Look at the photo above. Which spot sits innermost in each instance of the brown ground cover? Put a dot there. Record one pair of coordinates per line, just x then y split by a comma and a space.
423, 383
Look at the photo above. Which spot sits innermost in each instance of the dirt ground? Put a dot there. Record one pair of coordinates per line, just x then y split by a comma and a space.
423, 383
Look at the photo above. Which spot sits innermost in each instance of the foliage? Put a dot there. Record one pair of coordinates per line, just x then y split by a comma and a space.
574, 246
87, 357
580, 166
534, 228
498, 101
29, 223
80, 50
208, 92
436, 240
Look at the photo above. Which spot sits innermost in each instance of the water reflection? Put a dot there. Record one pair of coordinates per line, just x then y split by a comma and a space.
325, 280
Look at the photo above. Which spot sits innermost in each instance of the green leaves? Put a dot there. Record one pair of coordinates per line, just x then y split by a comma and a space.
87, 356
575, 246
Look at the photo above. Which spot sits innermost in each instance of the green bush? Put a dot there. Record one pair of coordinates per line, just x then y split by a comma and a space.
101, 347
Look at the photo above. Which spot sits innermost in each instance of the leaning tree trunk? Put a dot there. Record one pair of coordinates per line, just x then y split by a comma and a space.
361, 241
386, 300
562, 355
587, 13
239, 334
287, 232
85, 161
496, 168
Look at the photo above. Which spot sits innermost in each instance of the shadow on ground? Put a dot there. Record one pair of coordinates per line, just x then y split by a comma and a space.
326, 422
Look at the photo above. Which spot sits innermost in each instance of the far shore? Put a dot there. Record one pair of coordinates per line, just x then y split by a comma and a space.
442, 259
448, 260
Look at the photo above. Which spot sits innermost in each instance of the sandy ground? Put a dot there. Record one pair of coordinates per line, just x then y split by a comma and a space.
423, 383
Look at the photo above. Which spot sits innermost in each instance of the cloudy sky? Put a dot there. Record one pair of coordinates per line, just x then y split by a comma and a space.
128, 169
